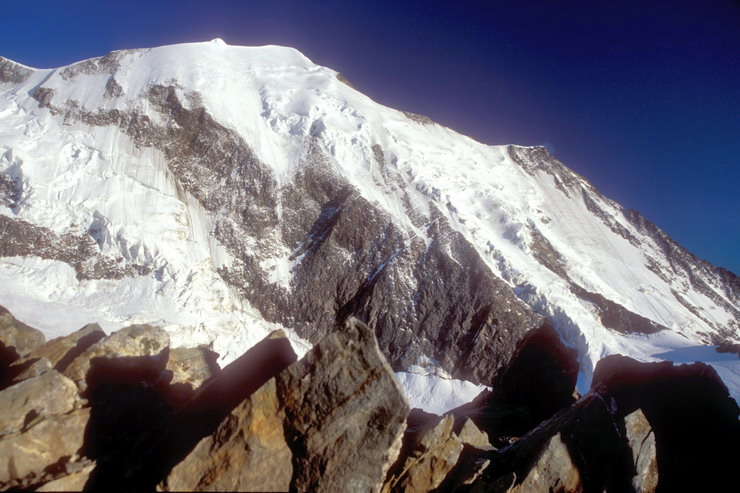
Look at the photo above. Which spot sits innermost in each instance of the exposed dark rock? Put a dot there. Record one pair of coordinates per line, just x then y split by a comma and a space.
694, 419
345, 413
12, 72
616, 317
21, 238
469, 319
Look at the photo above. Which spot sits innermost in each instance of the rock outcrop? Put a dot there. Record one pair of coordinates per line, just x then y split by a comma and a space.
345, 413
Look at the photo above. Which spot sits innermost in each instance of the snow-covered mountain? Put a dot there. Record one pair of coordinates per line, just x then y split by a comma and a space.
225, 191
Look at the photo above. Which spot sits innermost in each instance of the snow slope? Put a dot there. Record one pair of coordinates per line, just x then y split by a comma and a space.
77, 178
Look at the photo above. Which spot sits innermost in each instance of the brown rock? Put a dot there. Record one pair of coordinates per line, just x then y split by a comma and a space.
641, 440
33, 368
345, 413
72, 482
62, 350
25, 456
247, 452
144, 347
433, 453
471, 435
46, 395
15, 334
191, 366
554, 471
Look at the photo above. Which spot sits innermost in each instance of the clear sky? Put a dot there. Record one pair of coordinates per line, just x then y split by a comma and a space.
640, 97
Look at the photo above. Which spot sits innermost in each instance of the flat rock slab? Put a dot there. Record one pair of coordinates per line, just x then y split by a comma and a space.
62, 350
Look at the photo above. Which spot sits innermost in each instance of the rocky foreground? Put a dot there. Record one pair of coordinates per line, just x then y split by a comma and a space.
127, 412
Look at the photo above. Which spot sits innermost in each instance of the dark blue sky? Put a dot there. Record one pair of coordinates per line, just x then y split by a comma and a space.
640, 97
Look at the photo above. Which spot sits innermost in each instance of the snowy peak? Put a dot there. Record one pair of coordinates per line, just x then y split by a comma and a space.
223, 191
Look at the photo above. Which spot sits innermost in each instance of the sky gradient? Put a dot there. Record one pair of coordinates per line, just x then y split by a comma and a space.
641, 98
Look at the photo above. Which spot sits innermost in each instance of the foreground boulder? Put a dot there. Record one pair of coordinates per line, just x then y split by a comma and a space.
63, 350
17, 335
27, 457
137, 348
248, 451
345, 413
46, 395
332, 421
693, 417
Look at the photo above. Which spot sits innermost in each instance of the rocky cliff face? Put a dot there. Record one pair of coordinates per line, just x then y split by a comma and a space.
225, 192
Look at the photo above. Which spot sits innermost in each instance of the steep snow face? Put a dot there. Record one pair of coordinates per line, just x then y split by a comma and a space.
98, 157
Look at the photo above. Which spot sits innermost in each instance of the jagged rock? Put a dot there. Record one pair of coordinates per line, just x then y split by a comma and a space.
641, 440
553, 471
15, 334
694, 419
471, 435
141, 348
247, 452
345, 413
539, 379
24, 457
74, 481
589, 441
46, 395
191, 366
63, 350
33, 368
432, 453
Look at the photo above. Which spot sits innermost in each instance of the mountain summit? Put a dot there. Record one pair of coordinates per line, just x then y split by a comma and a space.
223, 192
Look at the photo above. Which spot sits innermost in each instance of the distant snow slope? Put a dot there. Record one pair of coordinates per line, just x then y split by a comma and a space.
118, 207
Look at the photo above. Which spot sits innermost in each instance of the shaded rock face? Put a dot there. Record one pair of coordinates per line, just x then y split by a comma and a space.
345, 413
580, 449
692, 416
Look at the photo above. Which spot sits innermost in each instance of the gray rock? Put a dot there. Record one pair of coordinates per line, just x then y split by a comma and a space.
247, 452
471, 435
345, 413
641, 440
46, 395
24, 457
141, 347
